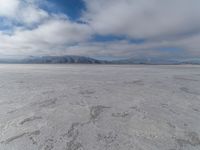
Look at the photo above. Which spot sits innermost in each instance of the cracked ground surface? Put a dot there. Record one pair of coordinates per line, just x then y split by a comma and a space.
99, 107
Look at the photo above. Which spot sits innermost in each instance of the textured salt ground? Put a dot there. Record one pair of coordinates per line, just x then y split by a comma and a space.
99, 107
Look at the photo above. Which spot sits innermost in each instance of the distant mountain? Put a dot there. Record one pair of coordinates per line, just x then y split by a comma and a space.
62, 60
157, 61
70, 59
9, 61
191, 61
54, 60
150, 61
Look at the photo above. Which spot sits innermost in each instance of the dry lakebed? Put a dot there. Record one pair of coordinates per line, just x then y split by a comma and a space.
99, 107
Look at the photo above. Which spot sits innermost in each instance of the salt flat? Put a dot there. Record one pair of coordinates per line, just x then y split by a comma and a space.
99, 107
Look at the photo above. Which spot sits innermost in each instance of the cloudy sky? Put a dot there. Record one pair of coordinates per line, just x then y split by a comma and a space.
100, 28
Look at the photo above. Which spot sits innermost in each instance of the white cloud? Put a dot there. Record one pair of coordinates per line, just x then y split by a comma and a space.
52, 34
118, 49
144, 18
8, 8
162, 23
41, 31
31, 14
22, 11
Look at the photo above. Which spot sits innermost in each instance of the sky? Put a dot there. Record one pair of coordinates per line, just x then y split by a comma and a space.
106, 29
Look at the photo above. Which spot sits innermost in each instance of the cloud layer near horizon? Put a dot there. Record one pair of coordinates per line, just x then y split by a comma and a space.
166, 28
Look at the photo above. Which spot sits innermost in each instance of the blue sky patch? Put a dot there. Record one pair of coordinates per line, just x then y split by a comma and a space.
110, 38
72, 8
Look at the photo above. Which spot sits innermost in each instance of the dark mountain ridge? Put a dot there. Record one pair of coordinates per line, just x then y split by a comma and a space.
70, 59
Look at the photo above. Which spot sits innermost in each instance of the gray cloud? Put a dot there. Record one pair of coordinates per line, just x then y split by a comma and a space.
147, 19
171, 23
50, 35
22, 11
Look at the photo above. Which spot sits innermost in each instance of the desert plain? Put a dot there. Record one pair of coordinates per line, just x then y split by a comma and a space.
99, 107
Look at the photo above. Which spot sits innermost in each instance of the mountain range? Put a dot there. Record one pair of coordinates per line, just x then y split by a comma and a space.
70, 59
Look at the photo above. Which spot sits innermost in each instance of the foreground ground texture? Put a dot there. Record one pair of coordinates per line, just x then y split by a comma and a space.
99, 107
